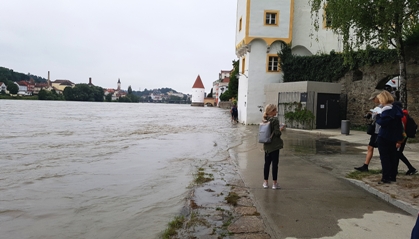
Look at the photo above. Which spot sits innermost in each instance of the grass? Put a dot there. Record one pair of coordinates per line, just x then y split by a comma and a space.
173, 226
202, 177
232, 198
360, 175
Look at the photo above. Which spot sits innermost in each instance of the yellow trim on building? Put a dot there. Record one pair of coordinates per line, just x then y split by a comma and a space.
276, 18
269, 40
243, 65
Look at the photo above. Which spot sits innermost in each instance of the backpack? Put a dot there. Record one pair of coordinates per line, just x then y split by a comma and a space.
265, 134
411, 127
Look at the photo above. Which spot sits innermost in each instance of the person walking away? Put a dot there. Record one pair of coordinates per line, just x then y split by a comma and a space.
271, 150
391, 131
234, 114
373, 138
400, 148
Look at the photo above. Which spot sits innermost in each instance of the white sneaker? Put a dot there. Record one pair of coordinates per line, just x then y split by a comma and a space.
275, 186
265, 185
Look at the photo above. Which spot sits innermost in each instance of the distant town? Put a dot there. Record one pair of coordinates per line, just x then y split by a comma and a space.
15, 85
34, 87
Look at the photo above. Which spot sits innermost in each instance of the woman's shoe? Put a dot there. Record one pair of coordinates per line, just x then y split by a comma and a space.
383, 181
411, 171
363, 168
265, 185
275, 186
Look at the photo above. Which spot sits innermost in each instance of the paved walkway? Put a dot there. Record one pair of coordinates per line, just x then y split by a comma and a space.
319, 202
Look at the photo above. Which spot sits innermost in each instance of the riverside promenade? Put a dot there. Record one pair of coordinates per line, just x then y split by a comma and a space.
316, 200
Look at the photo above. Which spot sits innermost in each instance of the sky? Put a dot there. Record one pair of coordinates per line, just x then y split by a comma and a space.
147, 44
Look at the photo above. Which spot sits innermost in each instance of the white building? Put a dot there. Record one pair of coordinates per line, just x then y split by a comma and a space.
198, 92
262, 29
3, 87
221, 85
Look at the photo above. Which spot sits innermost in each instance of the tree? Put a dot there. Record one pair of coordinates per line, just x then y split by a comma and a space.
210, 94
129, 90
374, 22
233, 85
108, 97
12, 88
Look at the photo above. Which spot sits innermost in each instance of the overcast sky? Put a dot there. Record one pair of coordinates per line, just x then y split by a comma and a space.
146, 43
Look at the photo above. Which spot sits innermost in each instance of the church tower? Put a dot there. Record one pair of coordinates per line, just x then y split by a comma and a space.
119, 85
263, 27
198, 92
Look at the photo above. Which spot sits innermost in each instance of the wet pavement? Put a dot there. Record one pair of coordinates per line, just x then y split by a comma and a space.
316, 200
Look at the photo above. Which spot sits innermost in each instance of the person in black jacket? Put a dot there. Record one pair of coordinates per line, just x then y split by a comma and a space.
390, 133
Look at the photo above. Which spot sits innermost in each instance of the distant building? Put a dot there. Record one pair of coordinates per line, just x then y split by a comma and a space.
198, 92
3, 87
23, 88
221, 85
116, 93
60, 85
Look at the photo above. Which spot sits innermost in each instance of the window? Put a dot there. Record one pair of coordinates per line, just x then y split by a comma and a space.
243, 65
327, 19
240, 24
271, 18
273, 63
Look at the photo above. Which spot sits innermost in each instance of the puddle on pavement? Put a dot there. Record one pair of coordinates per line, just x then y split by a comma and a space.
299, 143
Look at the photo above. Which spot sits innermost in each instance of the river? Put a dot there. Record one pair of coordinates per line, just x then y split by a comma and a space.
102, 170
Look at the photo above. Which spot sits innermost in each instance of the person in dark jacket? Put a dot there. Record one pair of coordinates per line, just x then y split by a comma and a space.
390, 133
415, 230
272, 149
411, 170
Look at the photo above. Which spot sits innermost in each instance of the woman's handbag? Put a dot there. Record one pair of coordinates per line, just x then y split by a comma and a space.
371, 129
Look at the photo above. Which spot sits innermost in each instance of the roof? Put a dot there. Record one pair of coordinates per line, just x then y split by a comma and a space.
226, 79
198, 83
63, 82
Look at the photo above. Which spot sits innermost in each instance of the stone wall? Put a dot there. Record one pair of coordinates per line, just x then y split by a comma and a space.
359, 84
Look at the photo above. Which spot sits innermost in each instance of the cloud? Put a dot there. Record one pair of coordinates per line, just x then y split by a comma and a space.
147, 44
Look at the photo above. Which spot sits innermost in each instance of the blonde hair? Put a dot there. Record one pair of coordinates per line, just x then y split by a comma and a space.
385, 98
269, 108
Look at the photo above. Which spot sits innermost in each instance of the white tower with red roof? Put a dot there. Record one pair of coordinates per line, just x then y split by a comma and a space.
198, 92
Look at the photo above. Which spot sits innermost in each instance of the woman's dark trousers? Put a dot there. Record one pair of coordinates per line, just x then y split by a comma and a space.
388, 155
403, 158
272, 157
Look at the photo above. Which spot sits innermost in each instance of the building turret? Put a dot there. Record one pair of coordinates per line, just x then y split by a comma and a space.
198, 92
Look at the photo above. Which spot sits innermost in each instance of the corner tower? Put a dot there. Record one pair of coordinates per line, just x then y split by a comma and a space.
262, 29
198, 92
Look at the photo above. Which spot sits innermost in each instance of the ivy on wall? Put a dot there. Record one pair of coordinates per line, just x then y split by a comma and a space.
295, 112
330, 67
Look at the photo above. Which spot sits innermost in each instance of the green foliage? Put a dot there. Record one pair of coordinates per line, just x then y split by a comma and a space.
411, 35
12, 88
295, 112
130, 98
173, 226
49, 95
129, 90
329, 68
233, 85
226, 96
84, 92
380, 23
210, 94
10, 75
108, 97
